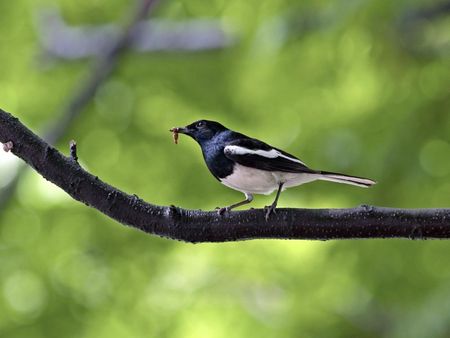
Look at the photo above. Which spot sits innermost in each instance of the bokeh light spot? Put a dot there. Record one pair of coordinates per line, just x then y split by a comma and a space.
36, 191
84, 276
435, 158
105, 144
21, 228
9, 164
114, 102
343, 149
25, 293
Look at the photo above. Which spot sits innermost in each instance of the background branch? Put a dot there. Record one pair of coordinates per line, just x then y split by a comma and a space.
412, 27
200, 226
73, 42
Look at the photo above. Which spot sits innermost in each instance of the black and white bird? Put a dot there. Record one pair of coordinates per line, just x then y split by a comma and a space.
254, 167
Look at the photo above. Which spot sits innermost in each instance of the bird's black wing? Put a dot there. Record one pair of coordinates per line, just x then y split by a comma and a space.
257, 154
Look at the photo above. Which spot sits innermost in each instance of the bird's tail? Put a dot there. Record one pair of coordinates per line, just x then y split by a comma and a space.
341, 178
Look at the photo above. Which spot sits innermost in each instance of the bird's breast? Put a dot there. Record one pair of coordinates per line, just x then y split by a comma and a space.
219, 165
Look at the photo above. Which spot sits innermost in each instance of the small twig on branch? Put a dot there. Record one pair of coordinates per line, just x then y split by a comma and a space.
103, 66
73, 150
200, 226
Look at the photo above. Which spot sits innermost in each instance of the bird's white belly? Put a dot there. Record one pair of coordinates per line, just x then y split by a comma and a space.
250, 180
255, 181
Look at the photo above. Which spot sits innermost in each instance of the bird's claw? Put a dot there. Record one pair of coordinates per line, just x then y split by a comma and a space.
270, 209
221, 211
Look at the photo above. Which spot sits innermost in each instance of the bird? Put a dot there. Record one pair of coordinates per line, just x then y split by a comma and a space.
252, 166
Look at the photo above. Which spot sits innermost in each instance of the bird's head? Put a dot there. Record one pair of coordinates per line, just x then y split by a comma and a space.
201, 131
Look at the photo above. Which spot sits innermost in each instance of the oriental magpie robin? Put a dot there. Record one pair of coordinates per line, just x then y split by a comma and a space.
252, 166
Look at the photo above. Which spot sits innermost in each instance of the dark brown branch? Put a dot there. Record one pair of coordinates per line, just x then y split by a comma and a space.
200, 226
103, 66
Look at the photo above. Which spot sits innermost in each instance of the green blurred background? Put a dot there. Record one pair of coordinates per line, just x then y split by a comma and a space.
361, 87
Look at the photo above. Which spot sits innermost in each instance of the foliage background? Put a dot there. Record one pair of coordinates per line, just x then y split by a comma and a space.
340, 83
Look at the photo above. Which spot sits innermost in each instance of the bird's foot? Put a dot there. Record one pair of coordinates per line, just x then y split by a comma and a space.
221, 211
270, 209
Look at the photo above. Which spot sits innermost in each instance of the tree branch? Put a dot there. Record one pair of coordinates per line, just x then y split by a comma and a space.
201, 226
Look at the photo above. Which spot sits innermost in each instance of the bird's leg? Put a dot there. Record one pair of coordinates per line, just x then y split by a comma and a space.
248, 199
271, 209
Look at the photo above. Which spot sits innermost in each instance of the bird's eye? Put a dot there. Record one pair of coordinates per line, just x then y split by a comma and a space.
200, 124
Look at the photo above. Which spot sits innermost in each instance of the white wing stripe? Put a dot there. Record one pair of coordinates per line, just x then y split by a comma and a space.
236, 150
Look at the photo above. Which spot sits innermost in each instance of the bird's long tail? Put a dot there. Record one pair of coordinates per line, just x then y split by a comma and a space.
341, 178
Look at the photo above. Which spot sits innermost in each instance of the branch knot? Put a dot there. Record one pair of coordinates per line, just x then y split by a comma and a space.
8, 146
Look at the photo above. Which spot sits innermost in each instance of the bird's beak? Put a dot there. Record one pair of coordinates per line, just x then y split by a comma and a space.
179, 130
